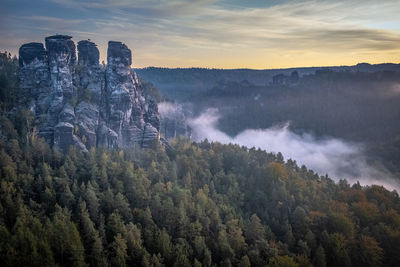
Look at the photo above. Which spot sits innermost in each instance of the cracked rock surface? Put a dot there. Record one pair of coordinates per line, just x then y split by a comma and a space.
78, 102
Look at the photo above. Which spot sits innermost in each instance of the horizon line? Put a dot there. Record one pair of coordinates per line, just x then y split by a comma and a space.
284, 68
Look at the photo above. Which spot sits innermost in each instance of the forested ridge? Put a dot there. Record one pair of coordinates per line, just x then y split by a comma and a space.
183, 83
197, 204
358, 104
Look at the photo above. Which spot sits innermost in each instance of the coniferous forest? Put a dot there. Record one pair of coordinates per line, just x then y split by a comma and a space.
194, 204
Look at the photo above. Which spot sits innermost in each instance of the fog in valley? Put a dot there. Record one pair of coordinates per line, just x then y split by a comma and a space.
337, 158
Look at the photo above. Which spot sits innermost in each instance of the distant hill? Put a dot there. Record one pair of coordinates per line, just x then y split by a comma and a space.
180, 83
354, 103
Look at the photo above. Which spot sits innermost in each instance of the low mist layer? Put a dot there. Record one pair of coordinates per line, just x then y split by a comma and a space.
337, 158
170, 110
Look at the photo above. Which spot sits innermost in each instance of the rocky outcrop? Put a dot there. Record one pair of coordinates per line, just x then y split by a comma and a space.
79, 102
91, 82
61, 119
34, 82
88, 54
133, 118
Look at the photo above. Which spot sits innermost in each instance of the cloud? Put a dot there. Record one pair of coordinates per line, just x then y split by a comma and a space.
393, 90
144, 8
170, 110
220, 33
337, 158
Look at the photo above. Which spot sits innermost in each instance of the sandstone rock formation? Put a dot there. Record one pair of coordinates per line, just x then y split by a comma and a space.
79, 102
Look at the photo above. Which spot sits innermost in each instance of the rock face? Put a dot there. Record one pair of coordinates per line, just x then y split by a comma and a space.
78, 102
91, 82
131, 117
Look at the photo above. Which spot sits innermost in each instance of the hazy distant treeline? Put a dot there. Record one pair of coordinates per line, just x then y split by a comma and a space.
359, 103
181, 83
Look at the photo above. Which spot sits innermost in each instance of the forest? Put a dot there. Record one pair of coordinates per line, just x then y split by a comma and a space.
183, 83
356, 104
193, 204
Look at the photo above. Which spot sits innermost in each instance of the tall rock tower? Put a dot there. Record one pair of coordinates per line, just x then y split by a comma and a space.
61, 113
34, 82
134, 119
90, 80
79, 102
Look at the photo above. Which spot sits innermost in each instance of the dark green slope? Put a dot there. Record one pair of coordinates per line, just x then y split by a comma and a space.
199, 204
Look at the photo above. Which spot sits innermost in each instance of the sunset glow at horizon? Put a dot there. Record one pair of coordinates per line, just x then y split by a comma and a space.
227, 34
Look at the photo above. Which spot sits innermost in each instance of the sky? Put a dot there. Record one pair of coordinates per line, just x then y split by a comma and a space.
257, 34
